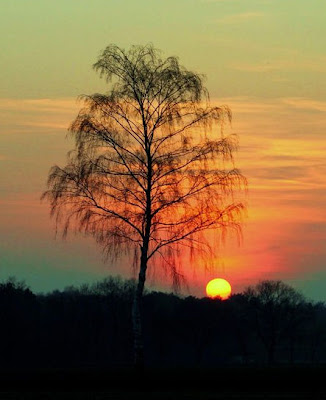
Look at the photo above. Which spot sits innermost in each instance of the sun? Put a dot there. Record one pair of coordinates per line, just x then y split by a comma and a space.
218, 288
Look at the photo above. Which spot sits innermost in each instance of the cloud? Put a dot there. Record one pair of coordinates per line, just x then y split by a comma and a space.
278, 118
217, 1
304, 103
245, 104
36, 115
44, 105
315, 65
43, 124
234, 1
260, 67
258, 2
242, 17
287, 172
281, 157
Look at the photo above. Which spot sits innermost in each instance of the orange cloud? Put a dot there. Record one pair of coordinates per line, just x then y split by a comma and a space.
28, 115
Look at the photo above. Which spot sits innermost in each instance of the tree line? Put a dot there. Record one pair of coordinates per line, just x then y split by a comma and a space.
91, 326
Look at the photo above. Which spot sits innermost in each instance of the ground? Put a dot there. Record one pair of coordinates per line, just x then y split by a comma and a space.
298, 382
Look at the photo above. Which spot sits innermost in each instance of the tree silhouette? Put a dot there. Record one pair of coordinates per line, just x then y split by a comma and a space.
278, 312
148, 171
89, 326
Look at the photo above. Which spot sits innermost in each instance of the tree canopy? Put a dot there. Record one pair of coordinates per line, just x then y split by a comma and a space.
147, 160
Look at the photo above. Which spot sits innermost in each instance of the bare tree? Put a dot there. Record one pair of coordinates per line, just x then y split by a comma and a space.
148, 172
279, 311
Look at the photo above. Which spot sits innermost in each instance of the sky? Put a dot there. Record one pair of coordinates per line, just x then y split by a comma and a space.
265, 59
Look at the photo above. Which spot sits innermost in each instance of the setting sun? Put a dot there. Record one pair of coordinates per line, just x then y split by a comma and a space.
218, 288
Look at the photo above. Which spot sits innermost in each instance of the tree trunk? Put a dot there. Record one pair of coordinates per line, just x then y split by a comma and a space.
137, 304
137, 314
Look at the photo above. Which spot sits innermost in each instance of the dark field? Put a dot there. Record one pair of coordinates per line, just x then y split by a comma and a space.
124, 383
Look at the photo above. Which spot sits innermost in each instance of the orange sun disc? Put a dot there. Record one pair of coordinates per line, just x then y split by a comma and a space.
218, 288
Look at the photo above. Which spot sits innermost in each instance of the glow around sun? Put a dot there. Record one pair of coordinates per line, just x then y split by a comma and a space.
218, 288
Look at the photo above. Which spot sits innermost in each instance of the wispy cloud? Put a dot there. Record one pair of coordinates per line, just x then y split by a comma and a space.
246, 104
45, 105
242, 17
216, 1
307, 104
260, 67
234, 1
34, 115
224, 1
315, 65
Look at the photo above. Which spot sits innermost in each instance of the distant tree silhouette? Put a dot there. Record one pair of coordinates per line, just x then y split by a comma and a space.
148, 172
314, 335
240, 320
18, 319
277, 312
90, 326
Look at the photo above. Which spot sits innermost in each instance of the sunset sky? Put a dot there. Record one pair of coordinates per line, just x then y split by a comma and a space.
265, 59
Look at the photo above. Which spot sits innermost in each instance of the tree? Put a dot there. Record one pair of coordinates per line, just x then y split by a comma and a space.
148, 171
279, 311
